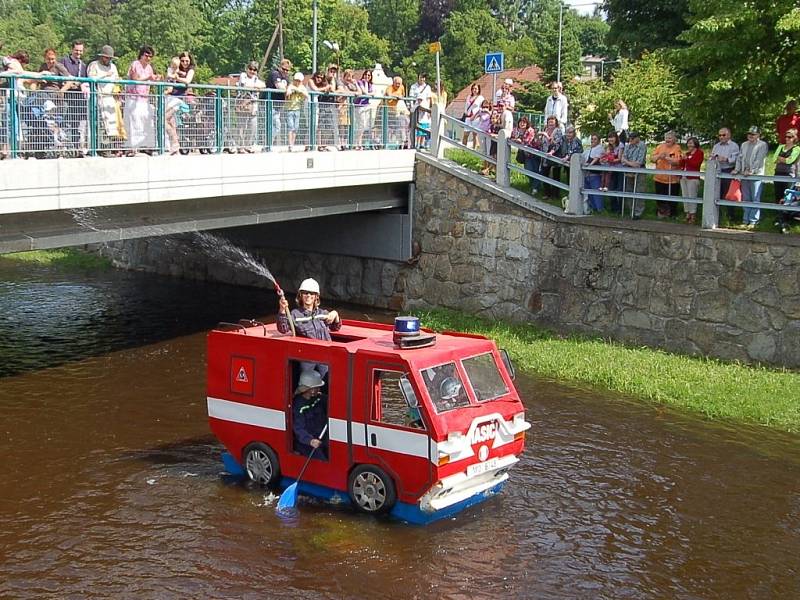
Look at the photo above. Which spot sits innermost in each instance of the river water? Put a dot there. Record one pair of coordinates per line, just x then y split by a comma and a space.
111, 485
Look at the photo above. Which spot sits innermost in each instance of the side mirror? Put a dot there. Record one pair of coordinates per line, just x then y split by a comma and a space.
507, 362
408, 392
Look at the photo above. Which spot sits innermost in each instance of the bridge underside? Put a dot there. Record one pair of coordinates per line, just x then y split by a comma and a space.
373, 208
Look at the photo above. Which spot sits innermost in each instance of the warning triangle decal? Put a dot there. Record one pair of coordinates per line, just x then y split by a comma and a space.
494, 65
242, 375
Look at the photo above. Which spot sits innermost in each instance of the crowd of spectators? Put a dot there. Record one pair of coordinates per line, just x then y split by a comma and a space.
552, 145
53, 117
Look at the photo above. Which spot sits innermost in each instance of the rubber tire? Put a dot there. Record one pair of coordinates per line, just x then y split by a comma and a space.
261, 464
371, 490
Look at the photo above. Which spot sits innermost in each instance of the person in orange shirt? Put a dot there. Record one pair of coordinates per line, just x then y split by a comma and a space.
395, 92
668, 156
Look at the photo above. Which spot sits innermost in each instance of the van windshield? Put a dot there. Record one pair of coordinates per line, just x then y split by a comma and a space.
484, 376
445, 387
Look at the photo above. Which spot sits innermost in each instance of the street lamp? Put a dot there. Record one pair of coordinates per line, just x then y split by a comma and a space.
333, 47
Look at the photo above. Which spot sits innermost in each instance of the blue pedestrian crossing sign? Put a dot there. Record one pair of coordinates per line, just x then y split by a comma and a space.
493, 62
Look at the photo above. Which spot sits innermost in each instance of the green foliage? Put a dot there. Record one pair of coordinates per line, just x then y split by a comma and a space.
544, 29
170, 26
741, 64
637, 27
592, 34
651, 89
468, 36
397, 22
531, 96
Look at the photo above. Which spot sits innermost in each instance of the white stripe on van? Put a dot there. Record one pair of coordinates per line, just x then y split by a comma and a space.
410, 443
246, 414
396, 440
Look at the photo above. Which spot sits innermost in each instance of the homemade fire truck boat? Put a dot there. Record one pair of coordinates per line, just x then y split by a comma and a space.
420, 426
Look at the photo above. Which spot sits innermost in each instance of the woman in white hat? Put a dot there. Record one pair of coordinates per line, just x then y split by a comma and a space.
310, 320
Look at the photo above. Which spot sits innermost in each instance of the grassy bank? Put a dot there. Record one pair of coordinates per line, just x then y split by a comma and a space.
716, 389
70, 258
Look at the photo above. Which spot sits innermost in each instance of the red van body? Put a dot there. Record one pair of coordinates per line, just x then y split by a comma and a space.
421, 433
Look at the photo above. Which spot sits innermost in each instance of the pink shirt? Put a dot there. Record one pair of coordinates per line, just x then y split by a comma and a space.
139, 71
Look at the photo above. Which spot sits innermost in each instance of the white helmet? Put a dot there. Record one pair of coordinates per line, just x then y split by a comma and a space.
309, 379
449, 388
309, 285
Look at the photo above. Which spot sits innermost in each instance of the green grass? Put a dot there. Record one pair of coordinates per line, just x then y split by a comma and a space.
716, 389
70, 258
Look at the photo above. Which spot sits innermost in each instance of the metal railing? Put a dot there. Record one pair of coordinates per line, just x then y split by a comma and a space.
113, 117
580, 188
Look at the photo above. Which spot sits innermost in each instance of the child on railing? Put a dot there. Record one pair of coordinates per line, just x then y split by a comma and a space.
484, 124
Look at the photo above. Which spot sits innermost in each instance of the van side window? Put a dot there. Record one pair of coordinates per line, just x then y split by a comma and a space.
445, 387
390, 404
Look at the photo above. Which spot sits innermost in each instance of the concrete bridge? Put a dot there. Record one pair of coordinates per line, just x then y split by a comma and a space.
68, 202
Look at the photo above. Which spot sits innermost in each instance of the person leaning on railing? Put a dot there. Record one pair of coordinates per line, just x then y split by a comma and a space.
634, 156
326, 108
552, 136
786, 160
246, 108
668, 157
395, 94
751, 161
139, 117
108, 106
690, 184
14, 63
725, 152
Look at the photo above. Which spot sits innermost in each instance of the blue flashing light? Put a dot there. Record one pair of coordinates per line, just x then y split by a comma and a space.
406, 325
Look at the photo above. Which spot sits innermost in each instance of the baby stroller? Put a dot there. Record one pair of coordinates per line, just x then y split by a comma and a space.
44, 132
205, 117
188, 118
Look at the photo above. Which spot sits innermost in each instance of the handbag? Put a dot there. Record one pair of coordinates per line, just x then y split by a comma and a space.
734, 193
521, 156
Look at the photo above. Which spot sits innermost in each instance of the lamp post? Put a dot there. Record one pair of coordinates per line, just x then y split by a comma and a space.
560, 27
333, 47
314, 36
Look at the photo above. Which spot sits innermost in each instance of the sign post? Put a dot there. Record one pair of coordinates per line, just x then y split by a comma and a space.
436, 48
493, 63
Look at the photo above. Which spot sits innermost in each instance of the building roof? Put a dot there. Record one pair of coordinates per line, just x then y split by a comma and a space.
530, 73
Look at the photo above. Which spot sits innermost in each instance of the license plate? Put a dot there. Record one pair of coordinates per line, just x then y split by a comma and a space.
483, 467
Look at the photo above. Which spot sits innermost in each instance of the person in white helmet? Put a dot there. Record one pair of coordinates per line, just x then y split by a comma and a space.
310, 320
309, 415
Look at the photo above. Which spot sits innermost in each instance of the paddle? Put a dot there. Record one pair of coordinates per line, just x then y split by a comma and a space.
288, 498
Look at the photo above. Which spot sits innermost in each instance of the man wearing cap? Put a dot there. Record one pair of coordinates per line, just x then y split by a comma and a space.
751, 159
110, 112
278, 80
557, 105
634, 155
310, 415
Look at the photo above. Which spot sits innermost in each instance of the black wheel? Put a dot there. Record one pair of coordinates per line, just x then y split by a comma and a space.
261, 464
371, 490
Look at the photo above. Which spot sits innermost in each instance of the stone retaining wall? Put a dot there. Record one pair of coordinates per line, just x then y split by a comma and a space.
487, 251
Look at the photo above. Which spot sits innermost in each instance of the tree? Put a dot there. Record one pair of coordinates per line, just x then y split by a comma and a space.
21, 29
170, 26
396, 21
432, 17
544, 29
468, 36
649, 86
636, 27
98, 23
741, 64
592, 33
